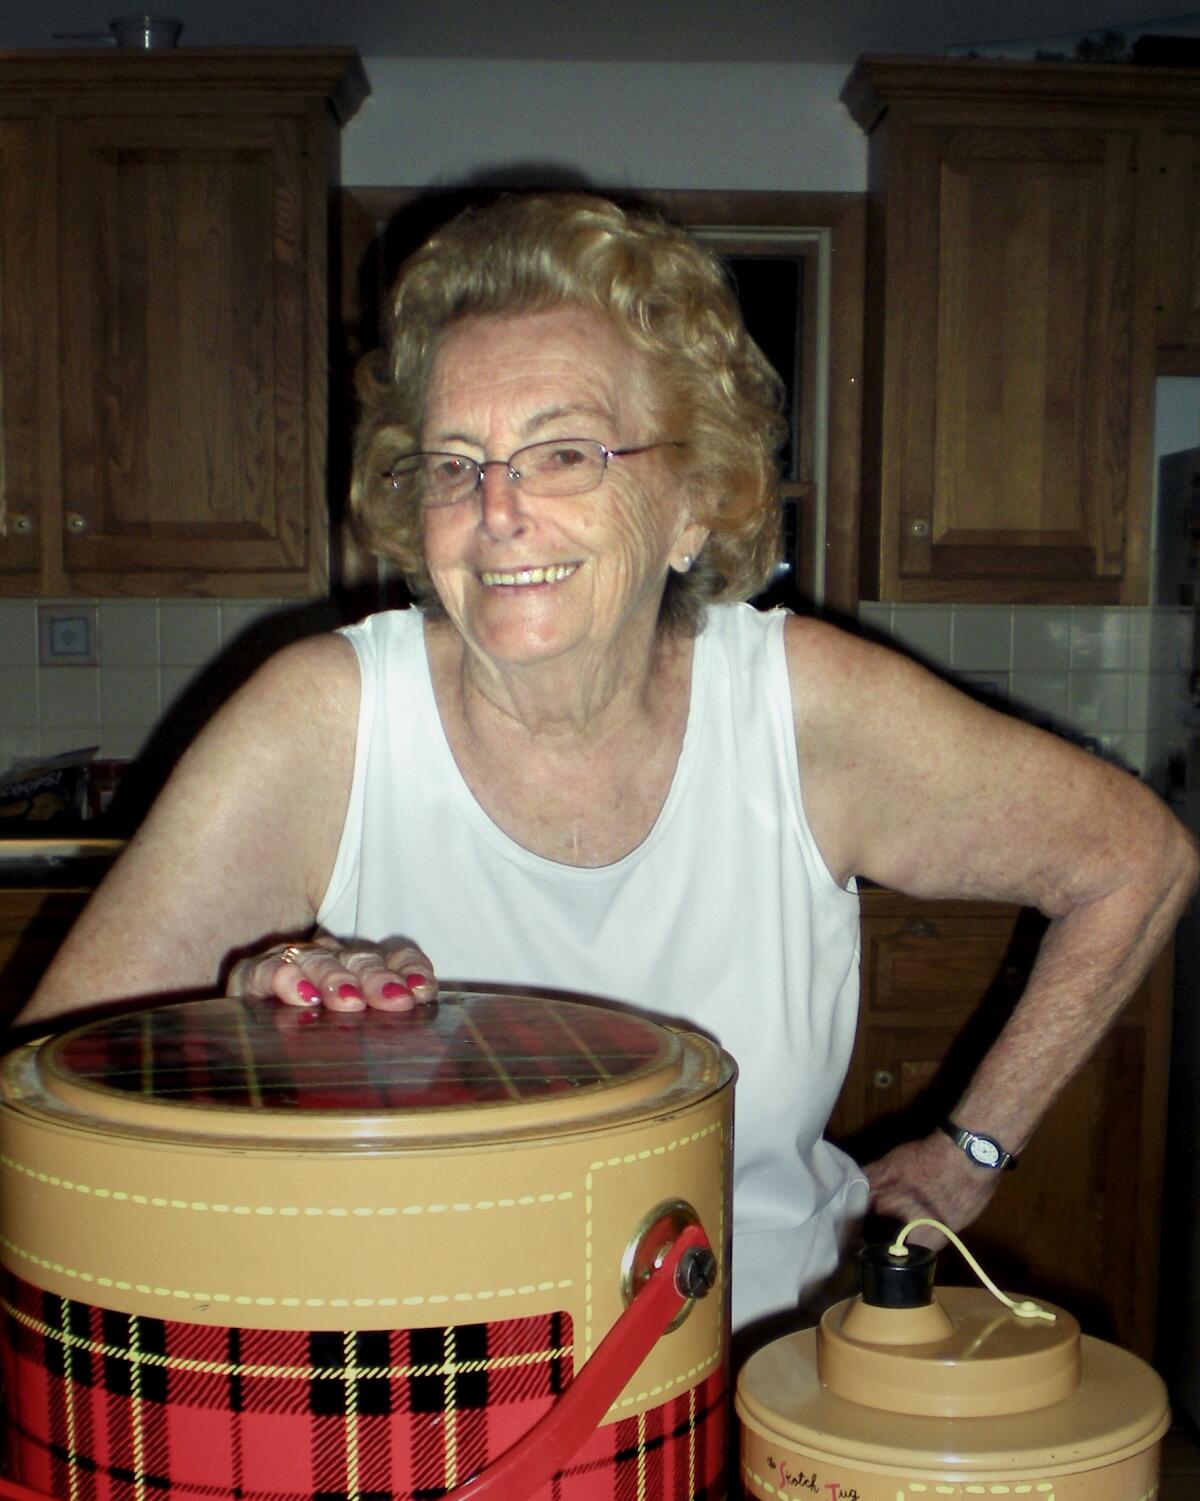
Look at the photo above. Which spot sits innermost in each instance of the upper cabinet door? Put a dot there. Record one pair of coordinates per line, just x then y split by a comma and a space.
187, 425
164, 332
1008, 411
21, 521
1178, 305
1016, 219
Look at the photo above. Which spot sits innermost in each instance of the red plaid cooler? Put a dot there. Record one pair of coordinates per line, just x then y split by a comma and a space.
255, 1253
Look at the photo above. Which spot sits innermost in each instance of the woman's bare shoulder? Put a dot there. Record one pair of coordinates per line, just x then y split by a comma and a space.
822, 658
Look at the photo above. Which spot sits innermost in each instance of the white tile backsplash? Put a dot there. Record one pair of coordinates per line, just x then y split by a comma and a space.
19, 696
129, 633
129, 695
926, 631
189, 632
981, 638
1099, 640
1116, 676
150, 650
1099, 700
18, 634
1113, 677
69, 698
1041, 639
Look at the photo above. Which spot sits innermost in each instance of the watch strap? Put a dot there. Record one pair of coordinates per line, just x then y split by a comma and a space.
964, 1139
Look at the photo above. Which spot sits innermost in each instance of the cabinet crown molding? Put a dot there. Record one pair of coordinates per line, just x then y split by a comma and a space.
878, 83
333, 73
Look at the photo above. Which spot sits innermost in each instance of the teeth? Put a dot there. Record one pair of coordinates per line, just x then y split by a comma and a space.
551, 575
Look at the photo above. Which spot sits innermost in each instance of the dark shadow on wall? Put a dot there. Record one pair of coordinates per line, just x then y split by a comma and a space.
201, 699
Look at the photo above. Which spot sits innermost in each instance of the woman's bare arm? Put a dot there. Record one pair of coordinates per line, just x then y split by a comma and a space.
915, 786
237, 849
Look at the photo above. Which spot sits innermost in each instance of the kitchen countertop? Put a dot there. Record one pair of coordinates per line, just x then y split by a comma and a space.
56, 862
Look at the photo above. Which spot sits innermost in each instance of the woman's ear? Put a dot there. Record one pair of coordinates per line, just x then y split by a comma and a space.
687, 547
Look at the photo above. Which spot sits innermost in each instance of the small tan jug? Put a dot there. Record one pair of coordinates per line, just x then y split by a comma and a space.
904, 1394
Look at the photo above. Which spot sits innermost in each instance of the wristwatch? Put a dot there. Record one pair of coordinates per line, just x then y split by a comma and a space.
984, 1151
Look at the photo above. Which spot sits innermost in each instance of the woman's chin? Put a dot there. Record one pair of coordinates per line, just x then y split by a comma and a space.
507, 633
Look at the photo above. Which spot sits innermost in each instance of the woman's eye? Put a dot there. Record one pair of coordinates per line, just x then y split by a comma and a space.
567, 458
448, 468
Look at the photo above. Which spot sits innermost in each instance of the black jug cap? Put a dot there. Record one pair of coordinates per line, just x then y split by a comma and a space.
891, 1281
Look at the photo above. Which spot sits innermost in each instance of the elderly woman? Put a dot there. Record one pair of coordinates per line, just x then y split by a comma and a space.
581, 763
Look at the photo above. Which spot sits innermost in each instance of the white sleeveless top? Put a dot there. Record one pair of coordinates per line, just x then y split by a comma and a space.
725, 917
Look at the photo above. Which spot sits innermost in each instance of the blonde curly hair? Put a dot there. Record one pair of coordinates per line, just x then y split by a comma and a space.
671, 299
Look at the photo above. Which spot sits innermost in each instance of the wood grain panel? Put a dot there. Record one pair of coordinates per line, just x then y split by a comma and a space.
21, 527
1178, 288
188, 331
33, 924
1009, 411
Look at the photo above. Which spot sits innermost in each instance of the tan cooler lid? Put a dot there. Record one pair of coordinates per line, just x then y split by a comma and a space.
1088, 1402
470, 1065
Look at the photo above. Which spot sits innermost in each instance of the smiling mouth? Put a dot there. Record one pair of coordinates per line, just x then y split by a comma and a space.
552, 575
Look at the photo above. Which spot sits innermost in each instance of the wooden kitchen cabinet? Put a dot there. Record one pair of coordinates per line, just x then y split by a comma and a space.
165, 311
1078, 1220
20, 499
1178, 286
1021, 225
33, 922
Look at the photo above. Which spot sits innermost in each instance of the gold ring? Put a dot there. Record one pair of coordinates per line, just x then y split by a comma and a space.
291, 954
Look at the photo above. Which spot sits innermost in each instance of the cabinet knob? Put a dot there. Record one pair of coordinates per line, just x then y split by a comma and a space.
884, 1078
76, 522
918, 927
919, 526
21, 523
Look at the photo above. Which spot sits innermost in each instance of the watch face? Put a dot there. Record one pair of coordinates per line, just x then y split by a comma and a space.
984, 1151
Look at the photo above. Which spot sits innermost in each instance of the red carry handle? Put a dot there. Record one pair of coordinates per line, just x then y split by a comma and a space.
687, 1270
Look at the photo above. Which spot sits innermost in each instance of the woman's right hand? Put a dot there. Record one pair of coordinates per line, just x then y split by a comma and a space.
323, 971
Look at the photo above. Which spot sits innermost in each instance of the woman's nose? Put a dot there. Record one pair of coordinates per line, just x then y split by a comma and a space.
501, 512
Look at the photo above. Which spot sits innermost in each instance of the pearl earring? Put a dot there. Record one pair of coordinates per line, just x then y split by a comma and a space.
685, 562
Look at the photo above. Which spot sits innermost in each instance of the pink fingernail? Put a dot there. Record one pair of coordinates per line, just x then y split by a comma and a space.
393, 988
350, 993
307, 991
413, 980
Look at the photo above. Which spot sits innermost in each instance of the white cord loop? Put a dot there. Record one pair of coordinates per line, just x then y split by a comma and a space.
1025, 1309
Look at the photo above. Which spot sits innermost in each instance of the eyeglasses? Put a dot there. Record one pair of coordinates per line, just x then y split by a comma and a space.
561, 466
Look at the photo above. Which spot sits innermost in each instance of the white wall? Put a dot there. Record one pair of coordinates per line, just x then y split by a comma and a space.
640, 125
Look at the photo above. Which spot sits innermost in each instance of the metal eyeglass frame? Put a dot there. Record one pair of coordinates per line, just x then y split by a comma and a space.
480, 465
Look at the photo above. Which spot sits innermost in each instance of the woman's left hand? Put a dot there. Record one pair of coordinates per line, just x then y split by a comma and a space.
324, 971
929, 1178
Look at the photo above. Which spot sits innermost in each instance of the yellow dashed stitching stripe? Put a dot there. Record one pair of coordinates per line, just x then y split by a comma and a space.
523, 1201
244, 1368
665, 1386
244, 1300
627, 1160
659, 1151
1043, 1490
